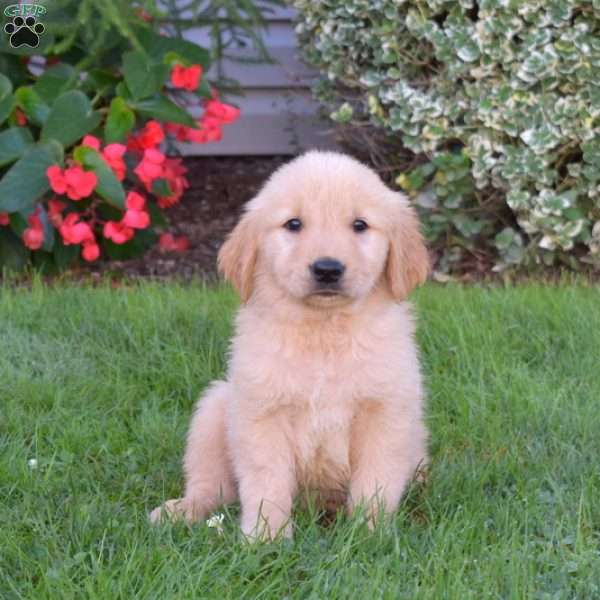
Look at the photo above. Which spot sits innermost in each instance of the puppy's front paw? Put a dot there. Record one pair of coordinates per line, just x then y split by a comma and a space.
174, 510
260, 531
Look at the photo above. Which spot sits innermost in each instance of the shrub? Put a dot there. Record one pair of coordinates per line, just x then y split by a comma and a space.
498, 102
85, 118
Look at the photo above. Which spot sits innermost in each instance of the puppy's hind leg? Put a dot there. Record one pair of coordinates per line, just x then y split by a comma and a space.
208, 472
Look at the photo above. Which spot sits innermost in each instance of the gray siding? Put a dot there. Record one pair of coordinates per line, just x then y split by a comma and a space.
278, 113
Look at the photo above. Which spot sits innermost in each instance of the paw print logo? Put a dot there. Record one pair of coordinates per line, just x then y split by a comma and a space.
24, 32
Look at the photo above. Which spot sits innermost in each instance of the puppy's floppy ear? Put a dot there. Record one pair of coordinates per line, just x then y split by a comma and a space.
237, 256
408, 261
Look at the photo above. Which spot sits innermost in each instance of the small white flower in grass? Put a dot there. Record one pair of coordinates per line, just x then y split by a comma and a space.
32, 463
216, 521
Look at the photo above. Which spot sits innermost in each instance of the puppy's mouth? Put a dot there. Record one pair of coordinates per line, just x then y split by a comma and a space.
327, 296
327, 293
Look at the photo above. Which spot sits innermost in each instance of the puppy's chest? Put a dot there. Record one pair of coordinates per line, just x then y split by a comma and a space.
320, 426
316, 395
302, 375
320, 417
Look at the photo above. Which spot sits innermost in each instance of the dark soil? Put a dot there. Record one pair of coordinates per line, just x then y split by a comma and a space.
209, 209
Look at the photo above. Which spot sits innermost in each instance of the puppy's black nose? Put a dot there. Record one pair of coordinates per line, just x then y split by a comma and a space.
327, 270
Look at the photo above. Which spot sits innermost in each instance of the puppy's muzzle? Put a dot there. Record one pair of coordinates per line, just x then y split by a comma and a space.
327, 272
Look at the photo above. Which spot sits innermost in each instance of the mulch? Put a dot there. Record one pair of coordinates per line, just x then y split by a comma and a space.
219, 187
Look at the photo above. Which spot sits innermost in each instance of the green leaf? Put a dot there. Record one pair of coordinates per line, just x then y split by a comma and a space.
48, 230
109, 187
99, 78
64, 256
157, 216
162, 72
160, 187
52, 82
13, 143
158, 46
172, 58
25, 182
163, 109
101, 83
13, 254
18, 223
6, 98
343, 114
144, 238
204, 90
122, 91
70, 119
120, 121
140, 75
35, 109
13, 69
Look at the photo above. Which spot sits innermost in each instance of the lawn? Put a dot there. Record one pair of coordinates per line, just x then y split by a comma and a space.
97, 385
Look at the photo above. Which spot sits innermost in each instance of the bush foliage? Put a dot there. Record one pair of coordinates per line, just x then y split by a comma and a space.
499, 100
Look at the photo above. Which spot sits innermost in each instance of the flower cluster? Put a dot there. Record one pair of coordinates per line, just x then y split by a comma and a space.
216, 114
106, 194
74, 181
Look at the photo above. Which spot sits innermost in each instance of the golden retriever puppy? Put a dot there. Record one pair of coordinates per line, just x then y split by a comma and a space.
323, 391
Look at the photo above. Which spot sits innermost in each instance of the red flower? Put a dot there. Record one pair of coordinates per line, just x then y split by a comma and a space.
113, 155
187, 78
91, 142
20, 116
55, 208
90, 251
135, 201
169, 243
136, 216
56, 179
74, 231
216, 114
179, 131
144, 15
225, 113
150, 167
4, 218
210, 131
133, 145
117, 232
33, 236
174, 172
75, 182
136, 219
151, 135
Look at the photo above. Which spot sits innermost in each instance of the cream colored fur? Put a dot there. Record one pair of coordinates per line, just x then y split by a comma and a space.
323, 394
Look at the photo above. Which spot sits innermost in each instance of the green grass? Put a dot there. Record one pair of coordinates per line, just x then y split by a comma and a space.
98, 385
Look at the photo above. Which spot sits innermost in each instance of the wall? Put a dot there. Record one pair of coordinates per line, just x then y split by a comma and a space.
279, 115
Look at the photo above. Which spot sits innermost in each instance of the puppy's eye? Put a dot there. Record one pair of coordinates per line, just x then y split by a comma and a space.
293, 225
359, 226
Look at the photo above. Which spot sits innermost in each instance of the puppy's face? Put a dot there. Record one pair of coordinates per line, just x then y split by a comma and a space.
325, 245
326, 231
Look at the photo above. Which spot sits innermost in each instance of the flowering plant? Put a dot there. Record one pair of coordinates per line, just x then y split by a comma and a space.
85, 130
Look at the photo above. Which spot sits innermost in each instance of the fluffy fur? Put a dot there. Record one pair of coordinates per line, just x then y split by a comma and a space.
323, 392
